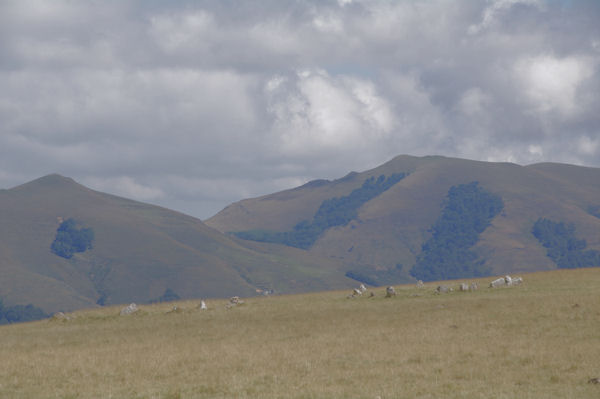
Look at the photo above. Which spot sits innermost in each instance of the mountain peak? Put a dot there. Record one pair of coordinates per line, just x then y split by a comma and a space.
55, 178
53, 181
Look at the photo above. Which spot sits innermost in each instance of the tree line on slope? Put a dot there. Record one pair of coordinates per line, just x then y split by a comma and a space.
70, 239
337, 211
20, 313
467, 211
562, 246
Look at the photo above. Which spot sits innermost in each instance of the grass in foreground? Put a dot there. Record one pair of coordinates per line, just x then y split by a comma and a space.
538, 340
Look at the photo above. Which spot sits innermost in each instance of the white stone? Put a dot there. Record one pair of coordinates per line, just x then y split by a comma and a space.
517, 280
497, 283
443, 289
129, 309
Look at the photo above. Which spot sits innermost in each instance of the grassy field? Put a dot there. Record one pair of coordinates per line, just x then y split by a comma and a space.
537, 340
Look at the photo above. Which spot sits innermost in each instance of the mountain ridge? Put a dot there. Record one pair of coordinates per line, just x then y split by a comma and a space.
392, 228
139, 251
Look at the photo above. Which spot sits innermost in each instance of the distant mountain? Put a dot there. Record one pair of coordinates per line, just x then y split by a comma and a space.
137, 253
427, 218
446, 218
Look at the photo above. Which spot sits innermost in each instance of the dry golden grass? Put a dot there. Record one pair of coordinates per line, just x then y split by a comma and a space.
538, 340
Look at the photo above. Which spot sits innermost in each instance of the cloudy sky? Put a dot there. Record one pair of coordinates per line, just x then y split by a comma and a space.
193, 105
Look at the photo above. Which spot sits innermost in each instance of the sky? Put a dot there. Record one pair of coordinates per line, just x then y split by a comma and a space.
193, 105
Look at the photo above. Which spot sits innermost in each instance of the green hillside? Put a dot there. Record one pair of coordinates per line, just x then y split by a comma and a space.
387, 236
135, 252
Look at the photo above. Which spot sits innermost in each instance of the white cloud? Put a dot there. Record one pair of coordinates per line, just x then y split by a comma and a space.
536, 151
474, 102
183, 31
588, 145
328, 24
318, 112
203, 104
495, 10
551, 83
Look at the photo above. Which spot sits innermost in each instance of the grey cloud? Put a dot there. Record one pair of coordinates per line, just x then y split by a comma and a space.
193, 105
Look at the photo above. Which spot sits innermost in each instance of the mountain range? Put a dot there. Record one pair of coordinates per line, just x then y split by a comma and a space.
387, 236
139, 251
380, 226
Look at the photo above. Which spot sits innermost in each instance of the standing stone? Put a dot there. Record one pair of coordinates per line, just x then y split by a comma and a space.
517, 280
129, 309
442, 289
390, 292
203, 305
234, 301
420, 284
499, 282
60, 316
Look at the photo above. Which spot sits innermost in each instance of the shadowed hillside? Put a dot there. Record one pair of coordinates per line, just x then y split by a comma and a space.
389, 231
138, 252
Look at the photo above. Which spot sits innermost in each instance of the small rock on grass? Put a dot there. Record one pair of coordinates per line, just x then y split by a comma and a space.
129, 309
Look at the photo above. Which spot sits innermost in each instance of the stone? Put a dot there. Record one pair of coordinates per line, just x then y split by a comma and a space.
129, 309
390, 292
60, 316
499, 282
234, 301
517, 280
203, 305
443, 289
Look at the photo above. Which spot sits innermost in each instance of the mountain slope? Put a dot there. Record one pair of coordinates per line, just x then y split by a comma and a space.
139, 250
391, 228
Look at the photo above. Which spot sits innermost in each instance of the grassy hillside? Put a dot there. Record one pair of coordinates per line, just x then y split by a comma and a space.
138, 252
536, 340
391, 228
